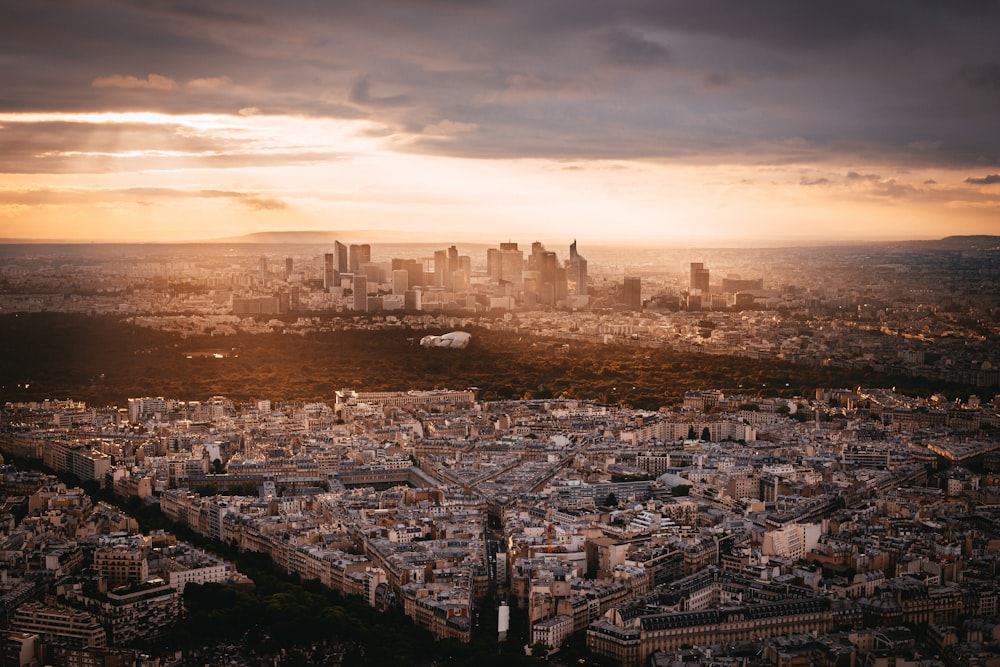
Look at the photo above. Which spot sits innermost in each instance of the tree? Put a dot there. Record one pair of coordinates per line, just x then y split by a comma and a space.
540, 649
706, 434
611, 500
691, 434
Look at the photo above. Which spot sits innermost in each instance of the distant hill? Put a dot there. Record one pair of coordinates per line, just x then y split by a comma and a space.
975, 242
982, 242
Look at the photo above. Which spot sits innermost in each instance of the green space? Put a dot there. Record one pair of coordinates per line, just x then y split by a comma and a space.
105, 360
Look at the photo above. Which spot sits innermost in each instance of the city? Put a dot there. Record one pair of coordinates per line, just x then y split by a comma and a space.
762, 530
645, 333
750, 524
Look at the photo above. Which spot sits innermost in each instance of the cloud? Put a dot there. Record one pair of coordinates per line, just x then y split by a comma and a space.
142, 196
361, 94
718, 78
894, 190
924, 145
151, 82
250, 200
855, 176
76, 146
814, 181
990, 179
631, 47
981, 75
560, 78
210, 83
448, 128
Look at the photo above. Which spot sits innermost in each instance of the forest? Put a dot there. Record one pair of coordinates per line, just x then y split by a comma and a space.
105, 360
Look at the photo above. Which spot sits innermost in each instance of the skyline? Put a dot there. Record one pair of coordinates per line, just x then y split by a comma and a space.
675, 123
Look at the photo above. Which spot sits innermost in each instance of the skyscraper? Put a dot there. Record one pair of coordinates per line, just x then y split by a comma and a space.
329, 271
576, 271
340, 257
400, 281
360, 287
493, 263
633, 293
413, 268
508, 265
550, 286
441, 268
358, 255
699, 277
413, 300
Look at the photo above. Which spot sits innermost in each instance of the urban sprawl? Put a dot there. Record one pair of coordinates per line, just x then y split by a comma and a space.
854, 526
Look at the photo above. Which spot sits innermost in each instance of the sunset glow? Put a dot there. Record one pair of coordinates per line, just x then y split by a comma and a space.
673, 132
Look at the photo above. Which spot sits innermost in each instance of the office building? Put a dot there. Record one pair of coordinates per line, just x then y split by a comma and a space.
699, 277
576, 271
441, 269
340, 257
632, 293
330, 273
358, 255
413, 300
506, 265
400, 281
360, 287
414, 269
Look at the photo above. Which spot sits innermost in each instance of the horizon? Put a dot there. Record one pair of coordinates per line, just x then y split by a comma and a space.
385, 237
643, 122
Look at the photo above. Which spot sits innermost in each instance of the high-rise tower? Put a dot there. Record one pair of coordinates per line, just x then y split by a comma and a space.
329, 271
633, 292
699, 277
576, 271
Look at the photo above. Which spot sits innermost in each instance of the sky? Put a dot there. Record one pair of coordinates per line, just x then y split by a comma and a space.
687, 122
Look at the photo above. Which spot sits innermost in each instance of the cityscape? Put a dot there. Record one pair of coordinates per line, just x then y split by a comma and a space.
645, 333
742, 523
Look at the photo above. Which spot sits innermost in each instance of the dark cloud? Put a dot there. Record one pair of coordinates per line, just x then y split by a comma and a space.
881, 82
630, 47
199, 11
892, 189
814, 181
855, 176
718, 78
360, 94
990, 179
981, 75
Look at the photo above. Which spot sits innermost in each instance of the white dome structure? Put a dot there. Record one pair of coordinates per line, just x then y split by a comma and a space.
455, 339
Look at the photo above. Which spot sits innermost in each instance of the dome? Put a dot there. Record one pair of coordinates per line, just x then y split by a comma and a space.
671, 480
